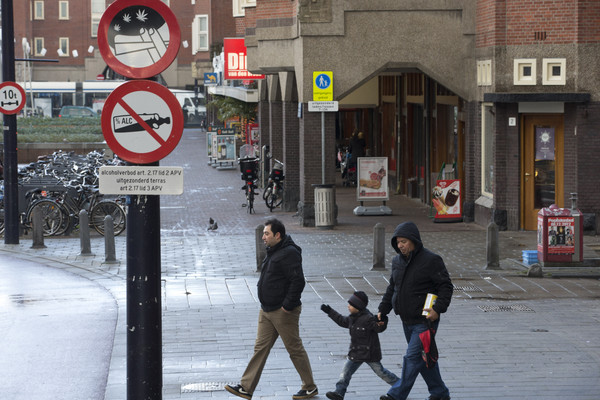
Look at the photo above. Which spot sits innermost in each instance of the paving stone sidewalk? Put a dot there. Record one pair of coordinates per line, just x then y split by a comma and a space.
505, 336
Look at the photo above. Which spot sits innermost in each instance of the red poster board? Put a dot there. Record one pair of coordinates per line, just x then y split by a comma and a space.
446, 200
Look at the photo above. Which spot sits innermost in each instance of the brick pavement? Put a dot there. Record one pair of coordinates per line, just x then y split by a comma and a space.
505, 336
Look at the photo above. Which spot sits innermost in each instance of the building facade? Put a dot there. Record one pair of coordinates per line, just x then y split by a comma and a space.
501, 94
66, 31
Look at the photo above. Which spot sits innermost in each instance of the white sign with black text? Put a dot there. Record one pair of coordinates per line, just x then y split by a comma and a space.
138, 180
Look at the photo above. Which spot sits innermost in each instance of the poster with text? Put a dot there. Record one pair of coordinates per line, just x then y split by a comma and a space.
561, 235
226, 148
372, 180
445, 197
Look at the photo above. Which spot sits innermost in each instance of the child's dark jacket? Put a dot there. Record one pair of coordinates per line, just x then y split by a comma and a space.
364, 339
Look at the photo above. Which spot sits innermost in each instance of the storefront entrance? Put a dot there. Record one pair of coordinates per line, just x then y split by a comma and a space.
542, 167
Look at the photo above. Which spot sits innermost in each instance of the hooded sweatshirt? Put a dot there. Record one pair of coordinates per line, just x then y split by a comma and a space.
281, 278
413, 276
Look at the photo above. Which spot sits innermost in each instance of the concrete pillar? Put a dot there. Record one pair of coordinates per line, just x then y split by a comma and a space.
261, 250
310, 159
378, 247
492, 247
291, 145
38, 229
109, 241
84, 234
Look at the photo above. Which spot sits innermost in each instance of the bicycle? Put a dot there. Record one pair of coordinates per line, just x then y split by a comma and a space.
249, 167
89, 198
273, 194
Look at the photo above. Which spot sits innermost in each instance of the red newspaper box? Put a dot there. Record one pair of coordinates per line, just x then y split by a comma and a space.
560, 236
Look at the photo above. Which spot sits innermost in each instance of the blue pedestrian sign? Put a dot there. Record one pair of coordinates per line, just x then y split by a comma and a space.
322, 86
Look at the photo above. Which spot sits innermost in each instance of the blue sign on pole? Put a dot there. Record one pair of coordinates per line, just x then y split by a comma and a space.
211, 78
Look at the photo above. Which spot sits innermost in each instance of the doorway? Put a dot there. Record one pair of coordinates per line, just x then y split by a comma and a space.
542, 166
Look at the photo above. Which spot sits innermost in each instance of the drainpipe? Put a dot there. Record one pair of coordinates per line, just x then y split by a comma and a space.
427, 101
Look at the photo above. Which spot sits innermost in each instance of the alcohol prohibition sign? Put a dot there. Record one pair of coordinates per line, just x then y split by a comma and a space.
12, 98
142, 121
138, 38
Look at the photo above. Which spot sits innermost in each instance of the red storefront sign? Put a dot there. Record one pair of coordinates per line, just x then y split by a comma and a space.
236, 66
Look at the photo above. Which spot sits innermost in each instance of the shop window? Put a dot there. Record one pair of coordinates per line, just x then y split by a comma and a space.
553, 72
525, 71
487, 147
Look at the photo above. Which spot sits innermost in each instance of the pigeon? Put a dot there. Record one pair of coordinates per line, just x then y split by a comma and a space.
212, 225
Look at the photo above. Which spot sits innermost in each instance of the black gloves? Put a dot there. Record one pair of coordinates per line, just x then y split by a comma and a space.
325, 308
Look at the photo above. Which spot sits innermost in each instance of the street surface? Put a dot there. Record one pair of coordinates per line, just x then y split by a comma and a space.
505, 336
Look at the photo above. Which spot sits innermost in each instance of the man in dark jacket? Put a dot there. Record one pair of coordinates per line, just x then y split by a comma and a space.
279, 289
416, 272
364, 342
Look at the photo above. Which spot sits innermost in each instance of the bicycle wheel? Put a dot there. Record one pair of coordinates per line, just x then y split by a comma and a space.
1, 217
104, 208
250, 198
52, 216
273, 198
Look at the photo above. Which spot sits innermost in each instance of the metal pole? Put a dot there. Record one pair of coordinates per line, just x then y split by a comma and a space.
322, 147
144, 323
11, 199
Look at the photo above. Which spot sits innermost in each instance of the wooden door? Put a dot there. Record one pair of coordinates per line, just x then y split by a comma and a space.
542, 155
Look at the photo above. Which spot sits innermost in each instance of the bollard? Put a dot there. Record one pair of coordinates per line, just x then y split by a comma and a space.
38, 230
109, 240
378, 246
261, 251
84, 234
492, 247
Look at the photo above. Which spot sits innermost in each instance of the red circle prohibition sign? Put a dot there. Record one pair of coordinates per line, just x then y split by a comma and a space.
142, 121
10, 98
138, 38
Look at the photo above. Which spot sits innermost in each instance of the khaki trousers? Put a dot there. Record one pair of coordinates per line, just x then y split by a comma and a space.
271, 325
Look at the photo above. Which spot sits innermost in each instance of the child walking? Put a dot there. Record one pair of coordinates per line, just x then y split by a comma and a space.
364, 342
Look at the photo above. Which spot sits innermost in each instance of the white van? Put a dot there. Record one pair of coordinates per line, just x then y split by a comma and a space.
194, 109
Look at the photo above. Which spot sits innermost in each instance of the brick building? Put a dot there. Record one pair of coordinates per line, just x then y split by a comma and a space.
66, 30
504, 92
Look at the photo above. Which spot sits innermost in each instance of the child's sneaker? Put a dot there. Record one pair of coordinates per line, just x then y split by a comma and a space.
334, 396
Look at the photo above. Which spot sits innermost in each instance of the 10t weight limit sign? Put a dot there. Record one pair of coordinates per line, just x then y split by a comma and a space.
12, 98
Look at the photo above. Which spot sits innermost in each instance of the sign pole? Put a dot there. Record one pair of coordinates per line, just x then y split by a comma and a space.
144, 314
11, 188
322, 147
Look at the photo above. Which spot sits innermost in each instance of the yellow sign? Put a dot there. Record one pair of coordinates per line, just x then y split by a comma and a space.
322, 86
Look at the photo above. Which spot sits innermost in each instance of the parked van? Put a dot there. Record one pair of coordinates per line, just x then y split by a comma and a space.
194, 108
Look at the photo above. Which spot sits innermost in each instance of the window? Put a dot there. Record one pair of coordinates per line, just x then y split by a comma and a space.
484, 73
63, 47
554, 71
98, 7
63, 10
200, 34
239, 5
38, 10
38, 47
525, 71
487, 146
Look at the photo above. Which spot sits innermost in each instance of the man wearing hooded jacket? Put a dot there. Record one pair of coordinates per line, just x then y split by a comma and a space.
279, 289
416, 271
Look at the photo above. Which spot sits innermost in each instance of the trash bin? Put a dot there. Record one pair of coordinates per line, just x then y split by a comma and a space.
324, 206
560, 236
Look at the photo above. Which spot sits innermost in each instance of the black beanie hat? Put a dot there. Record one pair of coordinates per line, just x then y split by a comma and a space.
359, 300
